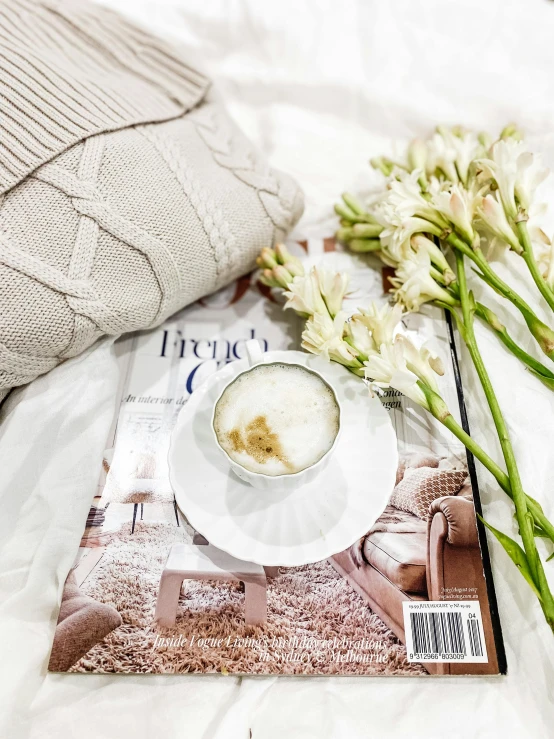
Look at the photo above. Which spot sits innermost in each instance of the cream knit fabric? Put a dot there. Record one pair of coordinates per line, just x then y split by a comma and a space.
126, 193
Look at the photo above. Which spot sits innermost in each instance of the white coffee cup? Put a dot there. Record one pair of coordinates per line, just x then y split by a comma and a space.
285, 482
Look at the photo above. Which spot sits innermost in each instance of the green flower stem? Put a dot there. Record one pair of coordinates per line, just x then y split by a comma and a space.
523, 515
491, 319
541, 332
529, 257
440, 411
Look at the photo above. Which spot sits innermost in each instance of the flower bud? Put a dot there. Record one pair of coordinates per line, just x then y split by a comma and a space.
511, 131
294, 266
353, 203
267, 258
282, 276
282, 253
266, 278
417, 154
345, 213
366, 230
344, 235
382, 163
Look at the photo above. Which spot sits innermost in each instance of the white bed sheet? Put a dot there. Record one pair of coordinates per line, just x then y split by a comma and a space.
321, 86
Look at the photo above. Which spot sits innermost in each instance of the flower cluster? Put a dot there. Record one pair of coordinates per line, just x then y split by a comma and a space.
459, 185
371, 346
367, 343
391, 358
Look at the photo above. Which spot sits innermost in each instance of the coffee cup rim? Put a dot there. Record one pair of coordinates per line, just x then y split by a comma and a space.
289, 475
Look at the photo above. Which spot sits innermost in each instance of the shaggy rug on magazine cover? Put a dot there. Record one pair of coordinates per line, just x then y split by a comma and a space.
303, 602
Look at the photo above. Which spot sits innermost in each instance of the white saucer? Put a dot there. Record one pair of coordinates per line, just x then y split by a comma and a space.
320, 518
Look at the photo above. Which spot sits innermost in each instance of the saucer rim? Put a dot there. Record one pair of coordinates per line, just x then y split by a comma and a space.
284, 555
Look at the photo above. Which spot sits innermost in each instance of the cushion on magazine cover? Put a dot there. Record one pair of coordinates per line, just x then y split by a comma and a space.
401, 558
126, 191
413, 460
421, 486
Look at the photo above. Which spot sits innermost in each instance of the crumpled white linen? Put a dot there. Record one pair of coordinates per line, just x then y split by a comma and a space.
321, 86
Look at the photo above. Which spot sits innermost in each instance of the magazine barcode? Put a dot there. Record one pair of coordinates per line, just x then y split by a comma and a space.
474, 638
444, 631
438, 633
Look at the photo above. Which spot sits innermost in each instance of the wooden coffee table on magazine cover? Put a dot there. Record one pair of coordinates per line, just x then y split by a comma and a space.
191, 562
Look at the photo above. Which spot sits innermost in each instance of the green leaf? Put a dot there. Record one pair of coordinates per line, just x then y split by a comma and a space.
548, 381
516, 554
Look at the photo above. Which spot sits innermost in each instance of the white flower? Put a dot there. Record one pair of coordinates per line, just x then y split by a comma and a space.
452, 152
493, 216
468, 147
304, 295
442, 157
387, 368
382, 322
422, 362
415, 285
420, 242
403, 211
516, 172
501, 166
397, 232
400, 365
529, 178
406, 198
333, 287
324, 335
458, 205
359, 336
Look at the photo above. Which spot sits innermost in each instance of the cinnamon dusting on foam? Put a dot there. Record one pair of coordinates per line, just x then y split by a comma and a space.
259, 442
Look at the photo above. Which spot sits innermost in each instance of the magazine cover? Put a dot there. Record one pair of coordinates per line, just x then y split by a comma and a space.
413, 596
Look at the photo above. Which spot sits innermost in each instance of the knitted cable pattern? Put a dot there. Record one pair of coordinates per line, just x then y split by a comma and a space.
212, 219
201, 237
276, 194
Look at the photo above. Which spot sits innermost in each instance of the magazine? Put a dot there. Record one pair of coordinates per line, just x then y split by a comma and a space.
413, 596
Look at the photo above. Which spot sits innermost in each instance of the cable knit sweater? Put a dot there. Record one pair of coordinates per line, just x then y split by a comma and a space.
126, 192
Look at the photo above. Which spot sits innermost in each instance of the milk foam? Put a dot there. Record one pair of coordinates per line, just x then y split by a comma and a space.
277, 419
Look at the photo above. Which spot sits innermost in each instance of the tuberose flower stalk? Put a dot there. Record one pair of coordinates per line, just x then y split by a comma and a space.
524, 516
463, 190
542, 333
459, 188
529, 257
369, 345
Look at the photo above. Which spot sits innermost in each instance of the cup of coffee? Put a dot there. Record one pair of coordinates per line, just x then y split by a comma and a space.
276, 423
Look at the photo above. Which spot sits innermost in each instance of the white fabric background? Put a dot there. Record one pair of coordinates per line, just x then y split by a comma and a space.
321, 86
